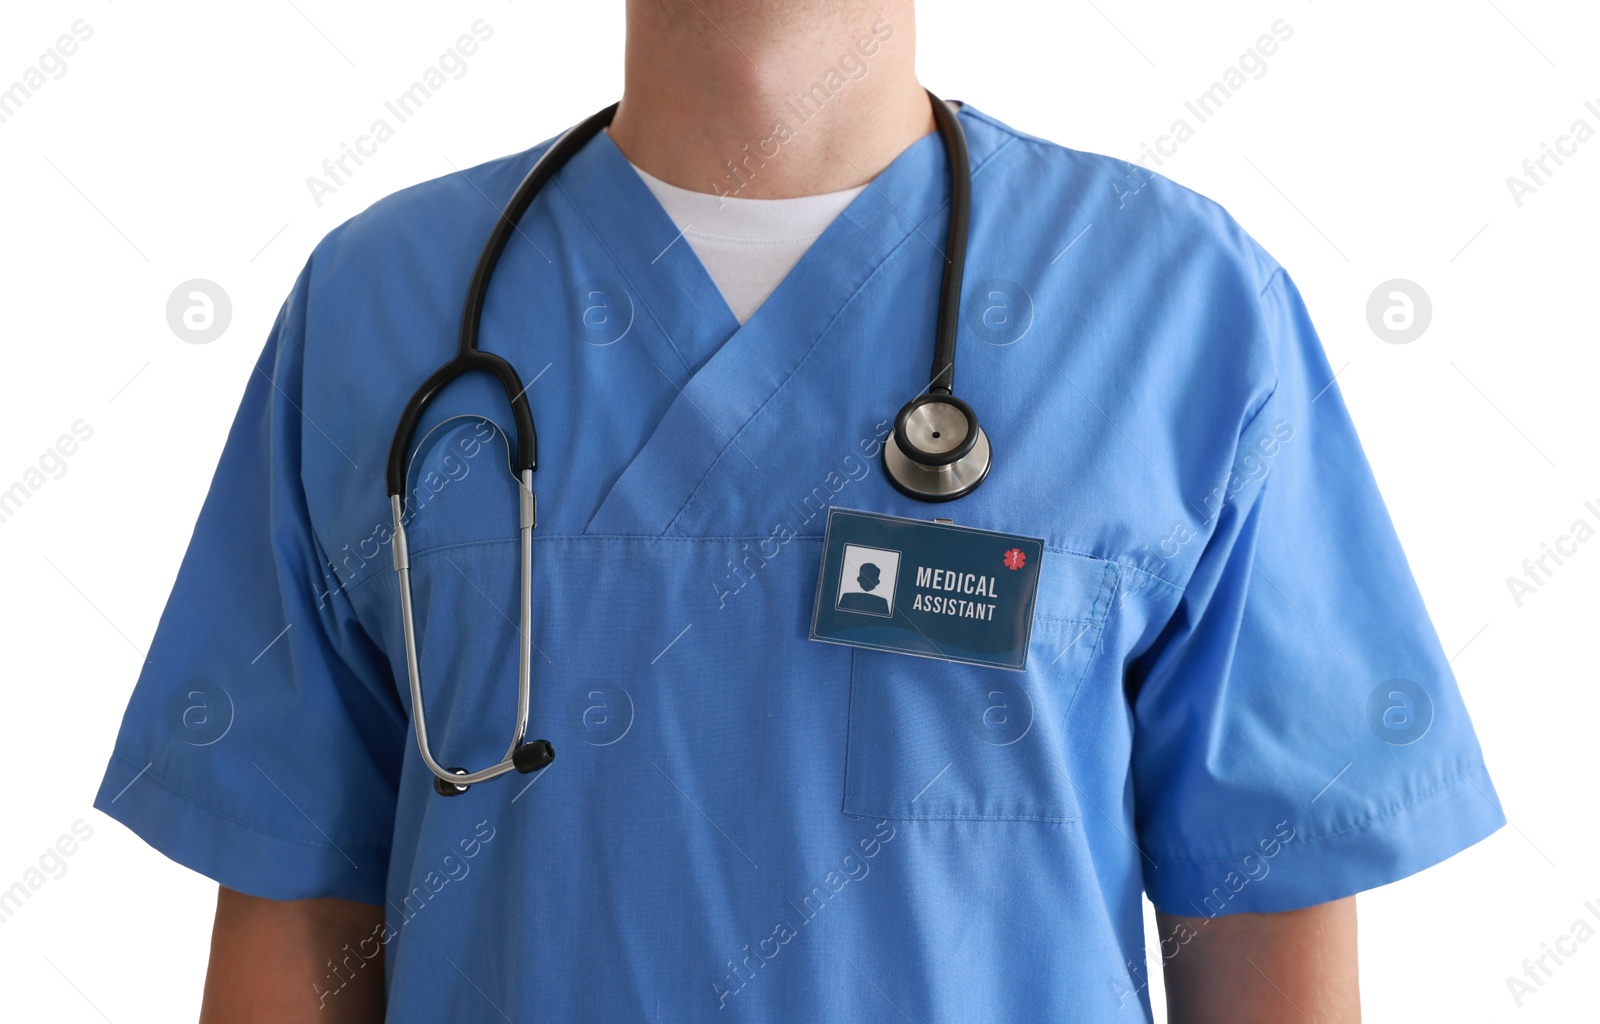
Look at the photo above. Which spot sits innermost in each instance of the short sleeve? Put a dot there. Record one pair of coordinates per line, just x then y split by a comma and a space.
1298, 734
263, 740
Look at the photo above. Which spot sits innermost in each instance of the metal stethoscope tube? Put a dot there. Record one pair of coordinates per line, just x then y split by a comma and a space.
518, 756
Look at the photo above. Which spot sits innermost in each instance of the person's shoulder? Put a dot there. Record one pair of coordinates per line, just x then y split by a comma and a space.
1166, 275
1136, 211
444, 215
411, 251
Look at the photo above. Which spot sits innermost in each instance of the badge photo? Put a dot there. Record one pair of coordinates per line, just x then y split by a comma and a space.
867, 580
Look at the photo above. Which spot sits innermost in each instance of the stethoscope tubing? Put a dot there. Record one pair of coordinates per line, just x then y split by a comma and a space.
942, 374
402, 564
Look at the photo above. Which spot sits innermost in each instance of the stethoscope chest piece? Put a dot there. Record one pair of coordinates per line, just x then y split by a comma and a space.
938, 452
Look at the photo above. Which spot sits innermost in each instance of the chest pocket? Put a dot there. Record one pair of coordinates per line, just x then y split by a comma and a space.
934, 739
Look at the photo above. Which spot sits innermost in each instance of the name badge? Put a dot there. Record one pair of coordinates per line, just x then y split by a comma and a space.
929, 589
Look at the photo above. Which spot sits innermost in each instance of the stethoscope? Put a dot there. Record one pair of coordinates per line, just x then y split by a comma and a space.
939, 451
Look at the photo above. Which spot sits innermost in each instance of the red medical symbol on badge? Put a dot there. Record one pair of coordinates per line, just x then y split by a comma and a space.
1014, 559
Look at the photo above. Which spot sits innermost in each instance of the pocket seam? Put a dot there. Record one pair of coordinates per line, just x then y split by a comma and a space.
963, 817
1108, 589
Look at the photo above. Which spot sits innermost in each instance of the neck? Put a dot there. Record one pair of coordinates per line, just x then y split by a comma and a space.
763, 99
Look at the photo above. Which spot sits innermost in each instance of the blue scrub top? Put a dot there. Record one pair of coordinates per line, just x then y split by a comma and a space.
1234, 699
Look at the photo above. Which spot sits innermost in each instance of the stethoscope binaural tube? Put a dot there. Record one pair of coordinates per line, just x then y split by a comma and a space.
939, 452
521, 755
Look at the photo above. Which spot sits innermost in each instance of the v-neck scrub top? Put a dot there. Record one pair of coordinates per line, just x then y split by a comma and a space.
1233, 701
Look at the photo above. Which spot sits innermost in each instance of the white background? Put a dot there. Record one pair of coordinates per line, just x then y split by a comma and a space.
1377, 146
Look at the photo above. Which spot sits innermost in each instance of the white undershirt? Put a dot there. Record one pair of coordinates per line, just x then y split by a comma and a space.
747, 246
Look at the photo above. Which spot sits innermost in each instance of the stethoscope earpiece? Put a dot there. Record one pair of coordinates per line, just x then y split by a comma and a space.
534, 756
938, 452
446, 788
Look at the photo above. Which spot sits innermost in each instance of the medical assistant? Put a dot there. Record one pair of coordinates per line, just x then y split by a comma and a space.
1233, 700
